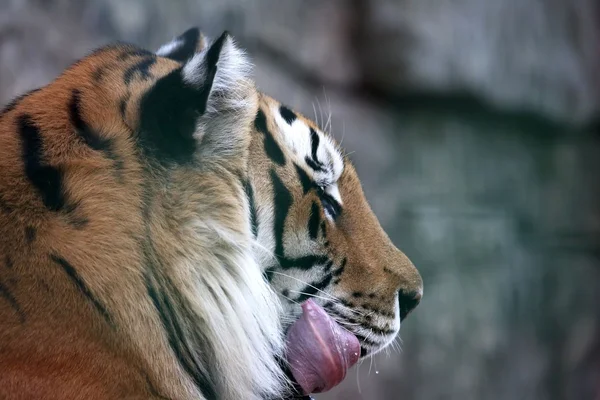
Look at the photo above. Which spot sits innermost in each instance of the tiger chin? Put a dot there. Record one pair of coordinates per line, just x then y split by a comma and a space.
165, 229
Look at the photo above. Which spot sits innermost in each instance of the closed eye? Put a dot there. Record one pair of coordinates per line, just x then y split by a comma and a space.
332, 208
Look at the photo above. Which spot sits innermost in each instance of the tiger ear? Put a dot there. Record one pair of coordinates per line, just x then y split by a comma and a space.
213, 87
184, 46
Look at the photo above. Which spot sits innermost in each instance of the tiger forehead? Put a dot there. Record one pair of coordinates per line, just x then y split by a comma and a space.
311, 146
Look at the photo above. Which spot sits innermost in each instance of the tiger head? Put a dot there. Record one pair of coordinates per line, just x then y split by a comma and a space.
316, 235
309, 211
180, 218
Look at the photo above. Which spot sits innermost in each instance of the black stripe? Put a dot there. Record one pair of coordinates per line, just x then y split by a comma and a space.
46, 179
317, 167
12, 301
15, 102
187, 49
288, 115
8, 262
167, 312
143, 67
314, 145
90, 136
307, 183
303, 263
333, 208
133, 52
30, 234
99, 73
282, 200
378, 311
314, 220
340, 270
323, 229
213, 54
168, 115
253, 217
123, 105
80, 283
311, 290
4, 207
271, 147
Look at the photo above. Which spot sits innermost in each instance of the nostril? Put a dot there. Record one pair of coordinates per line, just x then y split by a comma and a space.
407, 302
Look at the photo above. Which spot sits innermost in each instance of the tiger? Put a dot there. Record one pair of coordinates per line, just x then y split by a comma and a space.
164, 225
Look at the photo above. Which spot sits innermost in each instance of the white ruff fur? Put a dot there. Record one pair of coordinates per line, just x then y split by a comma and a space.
240, 313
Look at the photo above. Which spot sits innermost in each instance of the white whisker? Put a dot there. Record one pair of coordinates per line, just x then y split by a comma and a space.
358, 377
310, 295
332, 298
320, 112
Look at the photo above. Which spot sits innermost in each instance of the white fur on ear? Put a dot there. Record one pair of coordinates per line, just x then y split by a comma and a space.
184, 46
225, 70
170, 47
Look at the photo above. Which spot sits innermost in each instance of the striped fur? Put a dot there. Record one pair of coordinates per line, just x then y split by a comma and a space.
160, 220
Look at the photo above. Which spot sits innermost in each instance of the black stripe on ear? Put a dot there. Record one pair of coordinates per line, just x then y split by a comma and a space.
212, 55
48, 180
170, 109
169, 112
185, 46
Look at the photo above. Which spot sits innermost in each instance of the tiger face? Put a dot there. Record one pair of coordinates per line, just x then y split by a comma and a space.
161, 224
318, 237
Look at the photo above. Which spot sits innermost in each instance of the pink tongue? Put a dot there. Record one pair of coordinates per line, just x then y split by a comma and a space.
319, 351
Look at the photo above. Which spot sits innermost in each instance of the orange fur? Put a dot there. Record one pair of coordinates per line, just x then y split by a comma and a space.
77, 320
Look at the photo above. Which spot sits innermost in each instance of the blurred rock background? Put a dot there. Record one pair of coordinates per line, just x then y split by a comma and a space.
475, 127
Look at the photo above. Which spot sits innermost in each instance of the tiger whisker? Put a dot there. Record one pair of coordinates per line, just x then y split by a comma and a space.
315, 111
340, 323
328, 123
331, 297
354, 311
310, 295
320, 111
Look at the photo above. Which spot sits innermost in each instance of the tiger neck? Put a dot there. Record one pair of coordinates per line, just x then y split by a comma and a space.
208, 287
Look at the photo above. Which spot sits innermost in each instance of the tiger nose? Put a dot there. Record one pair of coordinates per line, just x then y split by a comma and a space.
407, 301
